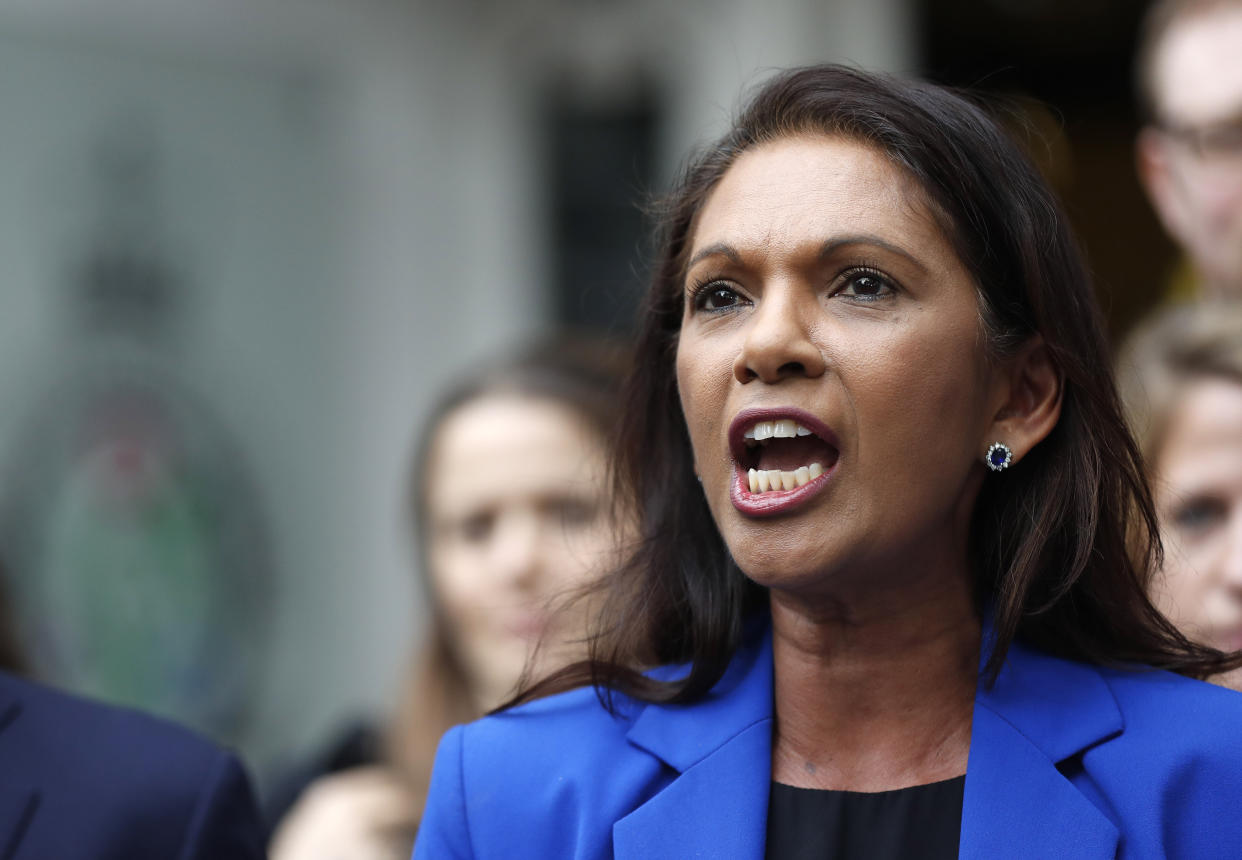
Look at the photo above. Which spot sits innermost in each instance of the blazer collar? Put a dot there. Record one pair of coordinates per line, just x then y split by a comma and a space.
1060, 706
721, 749
1041, 712
683, 735
1028, 726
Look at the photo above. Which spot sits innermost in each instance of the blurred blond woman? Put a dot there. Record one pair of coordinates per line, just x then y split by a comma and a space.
1181, 379
513, 516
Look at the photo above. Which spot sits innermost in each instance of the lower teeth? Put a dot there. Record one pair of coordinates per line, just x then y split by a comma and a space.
769, 480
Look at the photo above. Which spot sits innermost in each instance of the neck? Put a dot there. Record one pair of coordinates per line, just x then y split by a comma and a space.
874, 694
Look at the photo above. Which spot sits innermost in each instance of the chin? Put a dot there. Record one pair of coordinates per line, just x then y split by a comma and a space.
795, 544
1231, 679
784, 568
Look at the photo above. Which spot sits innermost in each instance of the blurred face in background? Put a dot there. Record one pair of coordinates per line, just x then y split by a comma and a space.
1198, 492
517, 515
1191, 158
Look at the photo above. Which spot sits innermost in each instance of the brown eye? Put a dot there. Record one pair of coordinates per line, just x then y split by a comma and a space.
866, 287
716, 296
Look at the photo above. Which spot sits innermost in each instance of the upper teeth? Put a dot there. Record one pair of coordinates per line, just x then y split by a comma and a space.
784, 428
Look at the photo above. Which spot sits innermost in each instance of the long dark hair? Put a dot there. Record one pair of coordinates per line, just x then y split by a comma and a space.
1061, 544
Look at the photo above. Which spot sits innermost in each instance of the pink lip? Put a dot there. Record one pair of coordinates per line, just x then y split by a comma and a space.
774, 502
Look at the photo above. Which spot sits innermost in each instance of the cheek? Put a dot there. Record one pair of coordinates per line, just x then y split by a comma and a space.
581, 554
703, 382
1177, 591
923, 402
921, 414
1180, 588
1197, 559
689, 395
460, 586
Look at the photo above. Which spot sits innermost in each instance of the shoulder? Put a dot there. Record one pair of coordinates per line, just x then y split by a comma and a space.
563, 770
1177, 764
89, 738
562, 743
576, 721
1183, 714
128, 783
564, 759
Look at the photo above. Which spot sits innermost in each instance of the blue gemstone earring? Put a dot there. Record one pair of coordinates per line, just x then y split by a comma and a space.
999, 457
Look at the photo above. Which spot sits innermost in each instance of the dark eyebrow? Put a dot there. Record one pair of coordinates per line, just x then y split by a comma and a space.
827, 249
718, 249
833, 245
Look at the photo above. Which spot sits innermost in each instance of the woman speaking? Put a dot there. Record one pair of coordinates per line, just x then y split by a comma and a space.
888, 598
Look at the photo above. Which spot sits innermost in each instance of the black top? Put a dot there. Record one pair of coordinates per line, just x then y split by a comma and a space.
923, 821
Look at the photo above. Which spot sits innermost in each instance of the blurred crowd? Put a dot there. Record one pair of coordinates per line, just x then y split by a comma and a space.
1180, 371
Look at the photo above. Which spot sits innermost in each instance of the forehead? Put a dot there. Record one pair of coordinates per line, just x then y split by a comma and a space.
1204, 437
1211, 407
814, 187
509, 447
1198, 67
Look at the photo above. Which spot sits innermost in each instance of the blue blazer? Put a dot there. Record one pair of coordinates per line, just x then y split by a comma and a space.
1066, 760
84, 780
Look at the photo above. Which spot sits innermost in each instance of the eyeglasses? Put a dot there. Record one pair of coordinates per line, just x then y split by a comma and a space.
1213, 142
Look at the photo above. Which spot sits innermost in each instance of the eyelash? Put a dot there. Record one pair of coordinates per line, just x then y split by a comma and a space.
865, 270
703, 287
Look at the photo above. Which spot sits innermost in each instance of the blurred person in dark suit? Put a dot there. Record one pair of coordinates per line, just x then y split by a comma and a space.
1180, 377
1190, 150
513, 518
80, 779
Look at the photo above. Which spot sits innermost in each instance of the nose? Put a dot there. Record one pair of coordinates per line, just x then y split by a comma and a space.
1232, 552
517, 553
778, 343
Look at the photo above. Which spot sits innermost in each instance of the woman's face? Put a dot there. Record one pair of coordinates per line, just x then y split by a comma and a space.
1198, 493
517, 515
823, 300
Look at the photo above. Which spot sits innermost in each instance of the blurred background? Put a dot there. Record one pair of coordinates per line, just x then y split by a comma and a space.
245, 242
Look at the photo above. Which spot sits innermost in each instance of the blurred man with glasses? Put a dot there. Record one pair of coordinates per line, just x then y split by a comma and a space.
1190, 150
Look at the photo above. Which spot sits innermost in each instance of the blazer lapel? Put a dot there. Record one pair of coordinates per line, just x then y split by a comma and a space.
721, 749
1041, 712
19, 799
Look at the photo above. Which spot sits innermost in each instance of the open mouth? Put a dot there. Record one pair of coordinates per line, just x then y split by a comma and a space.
779, 452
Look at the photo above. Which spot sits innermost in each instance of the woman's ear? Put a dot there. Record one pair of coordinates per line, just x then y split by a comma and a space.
1031, 403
